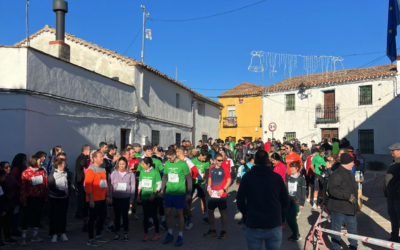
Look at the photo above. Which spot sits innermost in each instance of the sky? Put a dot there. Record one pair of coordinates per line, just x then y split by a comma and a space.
213, 54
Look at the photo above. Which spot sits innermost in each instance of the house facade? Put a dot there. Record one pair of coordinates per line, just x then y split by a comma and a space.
358, 104
241, 115
92, 95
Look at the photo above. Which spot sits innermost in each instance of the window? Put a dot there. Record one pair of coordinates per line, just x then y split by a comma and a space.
290, 102
290, 135
178, 139
201, 108
204, 138
177, 101
365, 95
155, 137
231, 111
366, 141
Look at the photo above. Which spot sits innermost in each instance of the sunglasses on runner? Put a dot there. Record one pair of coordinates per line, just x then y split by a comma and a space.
220, 160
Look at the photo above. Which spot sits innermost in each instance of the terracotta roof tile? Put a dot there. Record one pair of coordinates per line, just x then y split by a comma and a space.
346, 75
243, 89
127, 60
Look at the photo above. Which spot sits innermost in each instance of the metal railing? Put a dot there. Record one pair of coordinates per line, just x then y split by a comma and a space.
230, 122
327, 114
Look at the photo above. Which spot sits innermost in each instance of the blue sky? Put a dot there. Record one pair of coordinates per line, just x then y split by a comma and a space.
214, 53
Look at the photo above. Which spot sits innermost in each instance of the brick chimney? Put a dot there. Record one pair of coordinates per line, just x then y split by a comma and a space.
59, 48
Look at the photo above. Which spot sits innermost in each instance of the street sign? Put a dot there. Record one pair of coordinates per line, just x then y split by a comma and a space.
272, 126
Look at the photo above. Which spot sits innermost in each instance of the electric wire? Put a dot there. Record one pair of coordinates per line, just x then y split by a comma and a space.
205, 17
141, 27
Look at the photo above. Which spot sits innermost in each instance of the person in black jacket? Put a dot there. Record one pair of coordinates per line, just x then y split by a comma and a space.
262, 210
391, 191
3, 200
81, 164
59, 186
342, 202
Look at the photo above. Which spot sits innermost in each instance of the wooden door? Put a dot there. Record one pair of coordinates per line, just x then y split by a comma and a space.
329, 133
329, 104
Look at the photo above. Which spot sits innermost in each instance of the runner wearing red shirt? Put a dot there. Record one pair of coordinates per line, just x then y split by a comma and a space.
291, 157
219, 179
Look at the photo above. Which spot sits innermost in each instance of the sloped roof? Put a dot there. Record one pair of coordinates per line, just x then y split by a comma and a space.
242, 90
347, 75
127, 60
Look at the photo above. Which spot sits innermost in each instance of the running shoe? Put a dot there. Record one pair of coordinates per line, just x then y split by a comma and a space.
308, 200
54, 239
145, 237
116, 237
36, 239
314, 207
222, 235
295, 238
126, 238
64, 237
188, 225
93, 243
22, 242
179, 241
206, 221
168, 238
163, 225
155, 237
102, 239
210, 233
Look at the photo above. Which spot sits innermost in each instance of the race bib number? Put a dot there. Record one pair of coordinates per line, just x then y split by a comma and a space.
147, 184
173, 178
292, 187
214, 194
121, 187
1, 191
37, 180
103, 184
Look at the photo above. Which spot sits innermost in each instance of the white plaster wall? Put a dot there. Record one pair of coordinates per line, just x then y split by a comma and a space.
378, 116
50, 75
51, 122
90, 59
159, 100
13, 63
167, 132
207, 124
12, 125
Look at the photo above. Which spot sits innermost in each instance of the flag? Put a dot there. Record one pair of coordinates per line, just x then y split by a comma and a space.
393, 22
148, 33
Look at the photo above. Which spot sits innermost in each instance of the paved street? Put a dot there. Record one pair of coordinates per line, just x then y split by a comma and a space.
372, 221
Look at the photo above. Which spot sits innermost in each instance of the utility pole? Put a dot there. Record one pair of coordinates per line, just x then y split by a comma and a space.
27, 24
144, 28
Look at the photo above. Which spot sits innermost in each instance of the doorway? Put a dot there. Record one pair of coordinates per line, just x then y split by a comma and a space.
329, 104
329, 133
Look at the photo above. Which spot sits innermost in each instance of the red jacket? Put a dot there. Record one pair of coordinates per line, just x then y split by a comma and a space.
28, 189
267, 146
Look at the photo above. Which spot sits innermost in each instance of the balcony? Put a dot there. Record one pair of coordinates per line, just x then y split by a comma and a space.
230, 122
327, 114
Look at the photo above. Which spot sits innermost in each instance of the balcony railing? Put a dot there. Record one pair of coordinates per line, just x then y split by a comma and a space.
327, 114
230, 122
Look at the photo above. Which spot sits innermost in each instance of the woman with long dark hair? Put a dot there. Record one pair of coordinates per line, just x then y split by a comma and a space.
34, 192
10, 189
18, 165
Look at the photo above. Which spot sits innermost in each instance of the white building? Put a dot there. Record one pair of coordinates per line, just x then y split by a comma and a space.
360, 104
76, 93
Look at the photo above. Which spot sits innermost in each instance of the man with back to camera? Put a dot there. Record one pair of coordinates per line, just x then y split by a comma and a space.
262, 210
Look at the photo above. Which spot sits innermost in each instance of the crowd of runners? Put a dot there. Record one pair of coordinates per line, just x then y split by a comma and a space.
111, 183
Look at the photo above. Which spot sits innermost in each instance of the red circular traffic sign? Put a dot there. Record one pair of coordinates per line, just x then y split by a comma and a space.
272, 126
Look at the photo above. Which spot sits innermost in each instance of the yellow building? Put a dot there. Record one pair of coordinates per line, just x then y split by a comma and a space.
241, 115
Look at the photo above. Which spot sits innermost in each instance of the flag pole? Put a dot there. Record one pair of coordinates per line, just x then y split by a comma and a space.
144, 23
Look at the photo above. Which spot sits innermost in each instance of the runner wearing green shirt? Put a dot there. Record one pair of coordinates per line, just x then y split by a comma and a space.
316, 162
149, 186
137, 147
148, 152
231, 143
177, 194
203, 166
